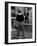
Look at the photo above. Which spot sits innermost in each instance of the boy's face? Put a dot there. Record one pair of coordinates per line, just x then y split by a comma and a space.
20, 11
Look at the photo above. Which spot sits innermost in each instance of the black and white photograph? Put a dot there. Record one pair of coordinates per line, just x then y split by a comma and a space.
21, 22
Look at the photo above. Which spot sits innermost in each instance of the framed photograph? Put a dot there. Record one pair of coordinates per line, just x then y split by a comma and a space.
20, 22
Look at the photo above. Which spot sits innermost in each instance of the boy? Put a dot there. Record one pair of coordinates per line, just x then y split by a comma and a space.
20, 23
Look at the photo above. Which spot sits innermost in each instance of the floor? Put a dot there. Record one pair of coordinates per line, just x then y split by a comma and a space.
27, 33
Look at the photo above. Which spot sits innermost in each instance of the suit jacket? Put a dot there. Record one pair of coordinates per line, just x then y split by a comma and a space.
20, 18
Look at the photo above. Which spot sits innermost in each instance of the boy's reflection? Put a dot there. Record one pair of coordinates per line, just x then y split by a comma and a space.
26, 16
